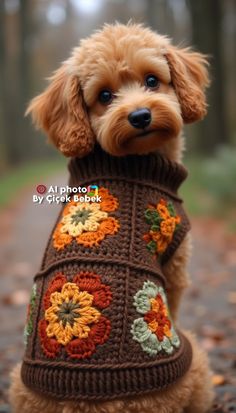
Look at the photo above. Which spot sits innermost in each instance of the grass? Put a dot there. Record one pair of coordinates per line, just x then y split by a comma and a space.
210, 187
32, 173
197, 199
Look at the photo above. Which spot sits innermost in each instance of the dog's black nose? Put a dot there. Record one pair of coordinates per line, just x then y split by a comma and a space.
140, 118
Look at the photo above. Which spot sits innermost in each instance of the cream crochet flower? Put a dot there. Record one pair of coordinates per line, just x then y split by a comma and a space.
82, 217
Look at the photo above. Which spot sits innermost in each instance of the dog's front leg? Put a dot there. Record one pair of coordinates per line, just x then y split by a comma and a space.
175, 272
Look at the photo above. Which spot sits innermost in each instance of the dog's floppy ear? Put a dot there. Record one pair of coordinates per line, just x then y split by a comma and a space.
60, 111
189, 76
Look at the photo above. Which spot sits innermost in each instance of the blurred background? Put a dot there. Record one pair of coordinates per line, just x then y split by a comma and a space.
35, 37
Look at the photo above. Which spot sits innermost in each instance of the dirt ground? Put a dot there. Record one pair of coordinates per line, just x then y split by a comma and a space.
208, 308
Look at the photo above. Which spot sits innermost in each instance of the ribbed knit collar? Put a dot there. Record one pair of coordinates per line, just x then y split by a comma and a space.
152, 168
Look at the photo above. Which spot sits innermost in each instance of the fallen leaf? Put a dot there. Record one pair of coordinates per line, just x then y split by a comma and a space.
208, 344
218, 379
19, 297
213, 333
232, 297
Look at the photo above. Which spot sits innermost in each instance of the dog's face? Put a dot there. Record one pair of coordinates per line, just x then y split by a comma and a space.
125, 87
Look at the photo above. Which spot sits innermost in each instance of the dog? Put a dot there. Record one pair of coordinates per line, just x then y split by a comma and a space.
129, 91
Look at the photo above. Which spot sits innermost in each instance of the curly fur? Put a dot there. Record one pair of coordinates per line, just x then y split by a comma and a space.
61, 112
189, 77
118, 57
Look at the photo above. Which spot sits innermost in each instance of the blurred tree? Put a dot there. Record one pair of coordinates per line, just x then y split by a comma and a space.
25, 18
207, 37
14, 68
2, 89
230, 58
160, 16
11, 129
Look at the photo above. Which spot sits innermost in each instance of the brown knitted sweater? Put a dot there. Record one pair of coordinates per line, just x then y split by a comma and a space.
98, 324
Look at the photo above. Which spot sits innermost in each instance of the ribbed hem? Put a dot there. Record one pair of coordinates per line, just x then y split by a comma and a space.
151, 168
104, 383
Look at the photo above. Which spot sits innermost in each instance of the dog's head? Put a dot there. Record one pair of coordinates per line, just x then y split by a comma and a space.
126, 87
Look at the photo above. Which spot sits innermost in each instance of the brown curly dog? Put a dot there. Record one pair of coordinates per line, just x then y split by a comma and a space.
90, 98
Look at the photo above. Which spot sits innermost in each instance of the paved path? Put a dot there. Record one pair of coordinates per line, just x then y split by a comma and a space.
208, 308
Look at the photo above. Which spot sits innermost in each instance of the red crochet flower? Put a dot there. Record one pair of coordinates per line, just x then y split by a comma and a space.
72, 318
157, 318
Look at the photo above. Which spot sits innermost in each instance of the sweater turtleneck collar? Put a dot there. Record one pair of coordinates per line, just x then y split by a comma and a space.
152, 168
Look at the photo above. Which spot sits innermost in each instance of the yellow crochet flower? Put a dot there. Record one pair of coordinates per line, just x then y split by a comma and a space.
70, 314
82, 217
87, 222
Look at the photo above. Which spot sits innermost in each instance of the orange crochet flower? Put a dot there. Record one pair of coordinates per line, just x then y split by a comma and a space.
87, 222
164, 222
73, 317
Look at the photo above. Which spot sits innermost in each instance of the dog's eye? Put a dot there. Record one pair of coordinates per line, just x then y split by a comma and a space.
105, 97
152, 82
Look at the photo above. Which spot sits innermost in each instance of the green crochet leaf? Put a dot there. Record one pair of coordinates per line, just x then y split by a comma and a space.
155, 227
29, 324
177, 227
29, 327
151, 216
151, 246
171, 209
